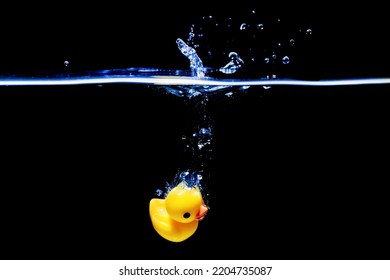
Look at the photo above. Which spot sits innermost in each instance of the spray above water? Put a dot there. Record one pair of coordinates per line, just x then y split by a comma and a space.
196, 64
226, 55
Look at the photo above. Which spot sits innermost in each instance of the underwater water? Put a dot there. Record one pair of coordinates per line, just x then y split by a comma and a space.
301, 162
289, 141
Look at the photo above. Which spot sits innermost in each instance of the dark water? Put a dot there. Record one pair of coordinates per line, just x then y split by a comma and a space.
294, 172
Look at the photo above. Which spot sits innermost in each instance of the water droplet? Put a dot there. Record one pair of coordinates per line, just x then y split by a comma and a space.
159, 192
66, 63
204, 131
183, 175
286, 60
233, 65
292, 42
266, 60
243, 26
260, 26
309, 31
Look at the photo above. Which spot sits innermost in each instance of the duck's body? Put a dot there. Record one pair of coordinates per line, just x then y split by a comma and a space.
168, 227
177, 216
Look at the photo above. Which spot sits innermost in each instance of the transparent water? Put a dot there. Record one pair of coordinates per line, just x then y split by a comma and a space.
292, 171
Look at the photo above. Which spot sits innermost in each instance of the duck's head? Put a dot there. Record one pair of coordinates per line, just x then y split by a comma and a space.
185, 204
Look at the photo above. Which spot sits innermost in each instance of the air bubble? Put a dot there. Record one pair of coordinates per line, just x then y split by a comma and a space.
159, 192
243, 26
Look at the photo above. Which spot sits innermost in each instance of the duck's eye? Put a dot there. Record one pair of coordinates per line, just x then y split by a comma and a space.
186, 215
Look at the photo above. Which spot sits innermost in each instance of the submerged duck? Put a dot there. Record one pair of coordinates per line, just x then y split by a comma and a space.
176, 217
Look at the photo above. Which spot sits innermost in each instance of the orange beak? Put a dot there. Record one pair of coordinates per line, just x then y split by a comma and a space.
202, 212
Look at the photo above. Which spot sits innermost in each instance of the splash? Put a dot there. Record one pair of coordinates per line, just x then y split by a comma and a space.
233, 65
196, 64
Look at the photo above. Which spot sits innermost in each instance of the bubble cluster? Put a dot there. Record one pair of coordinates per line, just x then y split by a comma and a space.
265, 45
188, 178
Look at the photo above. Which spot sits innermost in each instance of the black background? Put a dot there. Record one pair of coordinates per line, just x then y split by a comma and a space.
295, 174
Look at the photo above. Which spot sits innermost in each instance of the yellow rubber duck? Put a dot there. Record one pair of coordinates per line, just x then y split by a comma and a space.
176, 217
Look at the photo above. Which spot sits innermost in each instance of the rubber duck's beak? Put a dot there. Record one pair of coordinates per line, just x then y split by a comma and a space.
202, 212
